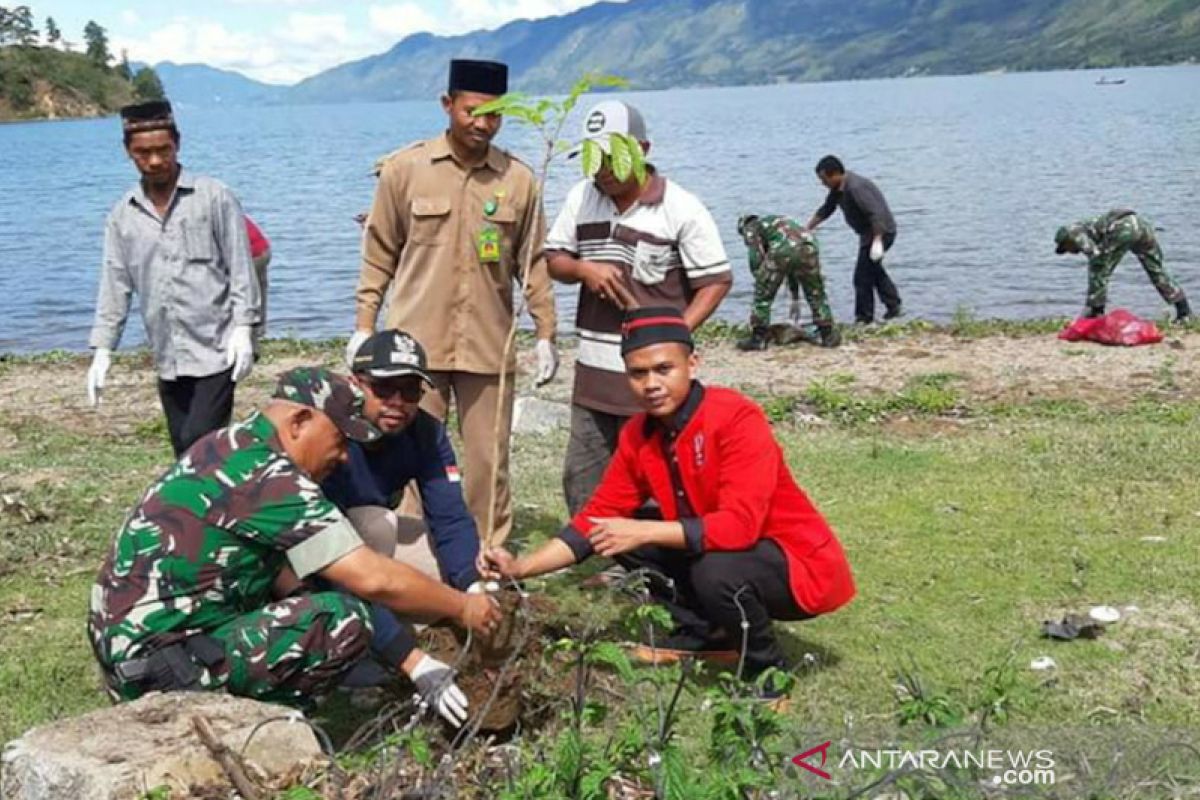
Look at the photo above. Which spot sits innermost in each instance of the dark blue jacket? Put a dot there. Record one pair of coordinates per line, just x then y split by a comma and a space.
376, 473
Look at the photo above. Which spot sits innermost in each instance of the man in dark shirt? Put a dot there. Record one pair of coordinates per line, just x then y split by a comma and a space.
390, 368
867, 212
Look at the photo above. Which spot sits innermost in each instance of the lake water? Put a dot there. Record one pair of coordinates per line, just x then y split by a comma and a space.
979, 171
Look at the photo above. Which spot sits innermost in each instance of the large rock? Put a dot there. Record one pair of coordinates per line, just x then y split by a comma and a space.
120, 752
537, 416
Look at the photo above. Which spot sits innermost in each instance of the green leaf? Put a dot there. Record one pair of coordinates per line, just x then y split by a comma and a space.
612, 81
505, 104
568, 758
300, 793
613, 656
591, 158
622, 158
673, 772
639, 160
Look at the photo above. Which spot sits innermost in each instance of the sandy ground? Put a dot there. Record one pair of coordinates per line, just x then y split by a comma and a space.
990, 369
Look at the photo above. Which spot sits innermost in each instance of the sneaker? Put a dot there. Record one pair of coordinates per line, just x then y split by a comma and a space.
1183, 311
678, 646
894, 312
830, 337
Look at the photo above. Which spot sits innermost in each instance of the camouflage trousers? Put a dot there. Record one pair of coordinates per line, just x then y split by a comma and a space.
288, 652
801, 268
1143, 244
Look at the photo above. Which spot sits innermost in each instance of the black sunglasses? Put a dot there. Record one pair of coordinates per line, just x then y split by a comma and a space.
409, 391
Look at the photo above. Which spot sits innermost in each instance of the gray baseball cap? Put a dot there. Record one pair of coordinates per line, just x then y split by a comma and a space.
612, 116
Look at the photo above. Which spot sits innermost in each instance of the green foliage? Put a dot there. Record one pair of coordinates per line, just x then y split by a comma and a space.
53, 32
72, 79
624, 152
611, 655
96, 38
16, 26
919, 703
1003, 693
147, 86
835, 398
300, 793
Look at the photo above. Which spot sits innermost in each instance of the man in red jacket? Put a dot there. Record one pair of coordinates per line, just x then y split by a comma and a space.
738, 539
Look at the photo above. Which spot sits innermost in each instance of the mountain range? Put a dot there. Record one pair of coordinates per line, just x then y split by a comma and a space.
670, 43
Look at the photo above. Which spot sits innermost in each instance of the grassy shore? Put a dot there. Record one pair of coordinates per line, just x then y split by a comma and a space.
971, 512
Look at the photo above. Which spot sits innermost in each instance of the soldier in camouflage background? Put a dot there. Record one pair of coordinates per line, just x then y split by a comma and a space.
1105, 240
204, 586
780, 249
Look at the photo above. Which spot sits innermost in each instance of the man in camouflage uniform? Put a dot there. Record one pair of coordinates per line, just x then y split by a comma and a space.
202, 588
779, 248
1105, 240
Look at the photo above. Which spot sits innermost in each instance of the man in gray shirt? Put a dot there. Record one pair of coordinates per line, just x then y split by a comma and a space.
179, 241
867, 212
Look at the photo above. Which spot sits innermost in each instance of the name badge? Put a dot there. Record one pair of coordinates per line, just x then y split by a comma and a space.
488, 245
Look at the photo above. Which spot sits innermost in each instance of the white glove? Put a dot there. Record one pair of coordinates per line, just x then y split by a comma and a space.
356, 341
547, 361
101, 361
877, 249
794, 311
239, 353
435, 684
483, 587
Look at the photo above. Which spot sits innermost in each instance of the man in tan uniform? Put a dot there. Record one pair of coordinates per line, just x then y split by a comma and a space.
451, 219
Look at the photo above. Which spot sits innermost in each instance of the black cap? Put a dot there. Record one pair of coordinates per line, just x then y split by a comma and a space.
390, 354
484, 77
149, 116
643, 327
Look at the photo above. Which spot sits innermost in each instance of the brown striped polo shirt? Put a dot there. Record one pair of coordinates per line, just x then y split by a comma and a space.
668, 246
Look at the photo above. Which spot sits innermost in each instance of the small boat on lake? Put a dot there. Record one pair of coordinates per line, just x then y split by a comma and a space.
1110, 82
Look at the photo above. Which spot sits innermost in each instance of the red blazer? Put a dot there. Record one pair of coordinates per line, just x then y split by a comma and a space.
739, 486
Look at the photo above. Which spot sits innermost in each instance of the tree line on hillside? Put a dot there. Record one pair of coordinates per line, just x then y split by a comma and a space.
24, 62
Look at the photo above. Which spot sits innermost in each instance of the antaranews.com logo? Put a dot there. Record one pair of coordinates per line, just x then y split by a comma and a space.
1007, 767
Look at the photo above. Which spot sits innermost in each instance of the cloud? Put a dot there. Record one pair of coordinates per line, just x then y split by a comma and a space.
315, 29
469, 15
301, 45
394, 22
295, 44
130, 17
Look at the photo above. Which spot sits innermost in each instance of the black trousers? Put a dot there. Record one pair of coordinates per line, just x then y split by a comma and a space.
869, 278
196, 406
702, 601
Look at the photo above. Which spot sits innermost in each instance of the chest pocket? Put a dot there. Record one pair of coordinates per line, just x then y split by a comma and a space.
651, 262
430, 220
197, 239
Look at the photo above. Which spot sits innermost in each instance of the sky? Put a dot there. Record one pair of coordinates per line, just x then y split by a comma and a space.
278, 41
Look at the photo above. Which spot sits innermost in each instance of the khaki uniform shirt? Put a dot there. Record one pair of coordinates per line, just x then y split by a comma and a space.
422, 238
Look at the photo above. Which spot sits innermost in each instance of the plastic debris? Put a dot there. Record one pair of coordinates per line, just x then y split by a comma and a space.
1042, 663
1072, 626
1105, 615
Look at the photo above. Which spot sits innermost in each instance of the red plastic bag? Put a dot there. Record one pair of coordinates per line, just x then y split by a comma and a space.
1118, 327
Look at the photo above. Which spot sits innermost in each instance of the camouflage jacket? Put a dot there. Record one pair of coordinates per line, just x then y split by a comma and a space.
778, 237
1110, 234
207, 541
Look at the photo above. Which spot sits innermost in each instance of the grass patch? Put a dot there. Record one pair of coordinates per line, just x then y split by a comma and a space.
960, 547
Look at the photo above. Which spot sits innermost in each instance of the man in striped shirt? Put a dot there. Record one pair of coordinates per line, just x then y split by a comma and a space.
628, 245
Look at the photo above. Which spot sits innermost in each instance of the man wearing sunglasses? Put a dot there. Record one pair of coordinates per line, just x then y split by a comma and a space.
391, 369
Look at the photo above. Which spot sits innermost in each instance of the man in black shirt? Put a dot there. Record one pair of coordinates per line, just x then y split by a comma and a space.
867, 212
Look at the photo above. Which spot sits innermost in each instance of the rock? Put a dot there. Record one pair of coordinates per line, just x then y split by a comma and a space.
537, 416
124, 750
